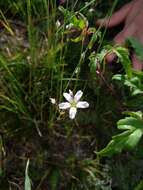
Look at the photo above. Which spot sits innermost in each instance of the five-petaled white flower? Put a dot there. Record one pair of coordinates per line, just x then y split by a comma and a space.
73, 103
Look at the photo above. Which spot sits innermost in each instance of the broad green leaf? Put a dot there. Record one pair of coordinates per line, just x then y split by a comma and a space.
120, 136
27, 179
133, 127
116, 145
134, 138
130, 123
118, 77
137, 114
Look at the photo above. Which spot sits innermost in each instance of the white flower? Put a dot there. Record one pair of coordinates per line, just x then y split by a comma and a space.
53, 101
73, 103
58, 24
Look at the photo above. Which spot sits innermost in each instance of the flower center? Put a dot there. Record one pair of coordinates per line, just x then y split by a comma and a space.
73, 104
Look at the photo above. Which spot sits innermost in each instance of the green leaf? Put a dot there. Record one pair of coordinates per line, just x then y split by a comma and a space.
134, 138
64, 11
79, 23
95, 60
139, 186
133, 127
27, 179
123, 56
130, 123
116, 145
77, 39
137, 114
54, 179
94, 37
134, 83
137, 46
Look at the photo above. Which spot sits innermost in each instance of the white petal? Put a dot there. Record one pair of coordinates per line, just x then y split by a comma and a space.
58, 24
82, 104
78, 95
53, 100
72, 112
64, 105
71, 93
68, 97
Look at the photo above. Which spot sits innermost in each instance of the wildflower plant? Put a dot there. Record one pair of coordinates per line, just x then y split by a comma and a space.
73, 103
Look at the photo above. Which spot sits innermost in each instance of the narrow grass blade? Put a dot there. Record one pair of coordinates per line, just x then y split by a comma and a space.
27, 178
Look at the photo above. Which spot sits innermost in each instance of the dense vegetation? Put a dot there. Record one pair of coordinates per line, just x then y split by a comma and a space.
47, 50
